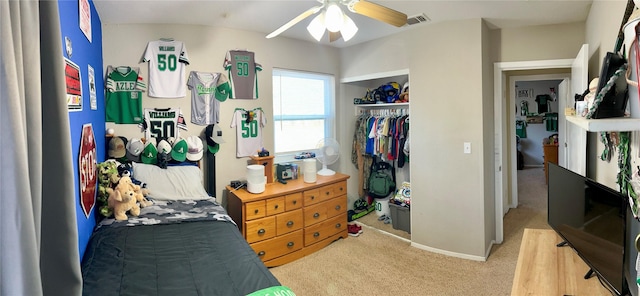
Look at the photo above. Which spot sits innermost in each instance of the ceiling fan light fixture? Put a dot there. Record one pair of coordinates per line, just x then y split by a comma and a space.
316, 27
334, 17
349, 28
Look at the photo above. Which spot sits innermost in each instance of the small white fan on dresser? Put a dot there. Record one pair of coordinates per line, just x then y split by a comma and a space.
328, 153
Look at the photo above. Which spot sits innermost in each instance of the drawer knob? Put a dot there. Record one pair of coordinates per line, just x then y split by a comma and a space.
290, 223
276, 206
295, 201
337, 207
316, 215
256, 211
290, 244
313, 197
261, 253
327, 193
341, 189
316, 234
338, 225
261, 231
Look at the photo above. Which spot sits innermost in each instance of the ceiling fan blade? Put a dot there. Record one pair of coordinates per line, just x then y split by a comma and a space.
297, 19
379, 12
333, 36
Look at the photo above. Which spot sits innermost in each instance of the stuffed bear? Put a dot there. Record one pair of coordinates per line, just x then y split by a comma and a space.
122, 199
125, 169
140, 194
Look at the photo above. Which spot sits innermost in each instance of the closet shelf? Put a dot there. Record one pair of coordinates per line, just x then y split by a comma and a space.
623, 124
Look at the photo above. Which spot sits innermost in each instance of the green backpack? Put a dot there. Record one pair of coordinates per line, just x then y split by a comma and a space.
381, 180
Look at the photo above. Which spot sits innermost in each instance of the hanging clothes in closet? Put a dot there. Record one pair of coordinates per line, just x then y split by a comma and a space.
381, 133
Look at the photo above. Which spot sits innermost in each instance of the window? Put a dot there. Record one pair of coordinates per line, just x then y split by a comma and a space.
302, 110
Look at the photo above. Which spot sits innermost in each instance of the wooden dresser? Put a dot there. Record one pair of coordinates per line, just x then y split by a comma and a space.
290, 221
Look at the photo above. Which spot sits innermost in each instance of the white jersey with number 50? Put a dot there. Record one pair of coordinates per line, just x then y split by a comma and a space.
163, 123
167, 60
248, 133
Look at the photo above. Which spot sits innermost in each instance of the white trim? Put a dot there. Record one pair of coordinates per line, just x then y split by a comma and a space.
374, 76
383, 232
452, 254
499, 125
488, 252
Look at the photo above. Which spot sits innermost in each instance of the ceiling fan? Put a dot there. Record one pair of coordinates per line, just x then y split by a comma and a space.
339, 24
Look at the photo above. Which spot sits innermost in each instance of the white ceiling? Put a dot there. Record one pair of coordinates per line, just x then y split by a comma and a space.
265, 16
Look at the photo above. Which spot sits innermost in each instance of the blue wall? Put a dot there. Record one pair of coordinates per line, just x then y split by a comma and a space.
84, 53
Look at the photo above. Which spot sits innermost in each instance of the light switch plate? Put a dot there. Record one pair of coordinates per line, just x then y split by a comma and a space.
467, 147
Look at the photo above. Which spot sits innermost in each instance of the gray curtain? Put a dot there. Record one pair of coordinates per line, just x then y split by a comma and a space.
38, 231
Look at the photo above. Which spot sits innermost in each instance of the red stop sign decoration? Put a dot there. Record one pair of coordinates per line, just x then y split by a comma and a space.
87, 168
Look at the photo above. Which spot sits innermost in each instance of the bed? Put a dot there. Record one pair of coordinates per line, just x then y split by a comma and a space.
187, 245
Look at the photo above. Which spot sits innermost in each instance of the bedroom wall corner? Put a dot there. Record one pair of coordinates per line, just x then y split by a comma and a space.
85, 52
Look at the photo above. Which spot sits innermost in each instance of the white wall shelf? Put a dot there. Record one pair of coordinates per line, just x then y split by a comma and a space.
606, 124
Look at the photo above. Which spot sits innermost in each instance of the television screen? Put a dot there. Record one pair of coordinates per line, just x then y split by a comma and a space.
590, 217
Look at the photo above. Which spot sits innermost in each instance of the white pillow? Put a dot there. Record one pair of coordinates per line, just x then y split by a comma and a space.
172, 183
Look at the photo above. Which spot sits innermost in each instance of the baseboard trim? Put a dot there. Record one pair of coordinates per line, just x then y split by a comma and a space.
383, 232
449, 253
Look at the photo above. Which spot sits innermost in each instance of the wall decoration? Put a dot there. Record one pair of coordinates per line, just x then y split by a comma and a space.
524, 93
73, 86
84, 13
93, 101
87, 169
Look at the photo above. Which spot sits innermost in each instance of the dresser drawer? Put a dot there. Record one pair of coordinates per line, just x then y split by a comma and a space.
289, 221
279, 246
340, 188
293, 201
320, 231
261, 229
255, 210
327, 209
315, 196
275, 205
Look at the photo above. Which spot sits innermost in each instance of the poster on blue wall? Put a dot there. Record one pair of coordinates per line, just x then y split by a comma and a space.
84, 11
92, 88
73, 86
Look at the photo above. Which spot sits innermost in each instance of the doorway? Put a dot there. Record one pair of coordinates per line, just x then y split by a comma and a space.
505, 185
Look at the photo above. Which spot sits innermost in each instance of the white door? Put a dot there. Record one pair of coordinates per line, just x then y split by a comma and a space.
576, 139
565, 99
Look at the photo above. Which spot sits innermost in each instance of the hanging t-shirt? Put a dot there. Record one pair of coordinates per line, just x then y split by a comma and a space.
163, 123
207, 91
248, 124
167, 59
543, 103
242, 73
123, 98
521, 129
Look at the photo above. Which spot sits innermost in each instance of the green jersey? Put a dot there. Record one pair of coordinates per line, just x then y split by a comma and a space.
124, 95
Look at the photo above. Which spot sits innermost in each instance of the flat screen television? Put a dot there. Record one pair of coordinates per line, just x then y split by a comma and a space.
591, 218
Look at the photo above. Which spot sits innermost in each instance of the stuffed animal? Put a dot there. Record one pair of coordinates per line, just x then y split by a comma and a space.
140, 194
107, 178
122, 199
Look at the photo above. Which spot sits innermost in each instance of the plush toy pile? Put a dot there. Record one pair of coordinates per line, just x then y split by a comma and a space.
117, 191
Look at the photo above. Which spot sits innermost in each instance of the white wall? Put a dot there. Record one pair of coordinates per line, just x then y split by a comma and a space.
207, 46
602, 29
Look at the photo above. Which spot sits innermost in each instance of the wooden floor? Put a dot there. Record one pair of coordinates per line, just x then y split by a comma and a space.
545, 269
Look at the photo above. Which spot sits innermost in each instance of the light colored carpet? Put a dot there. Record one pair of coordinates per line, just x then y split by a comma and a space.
375, 263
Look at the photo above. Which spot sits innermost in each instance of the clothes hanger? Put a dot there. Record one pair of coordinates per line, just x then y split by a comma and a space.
168, 39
